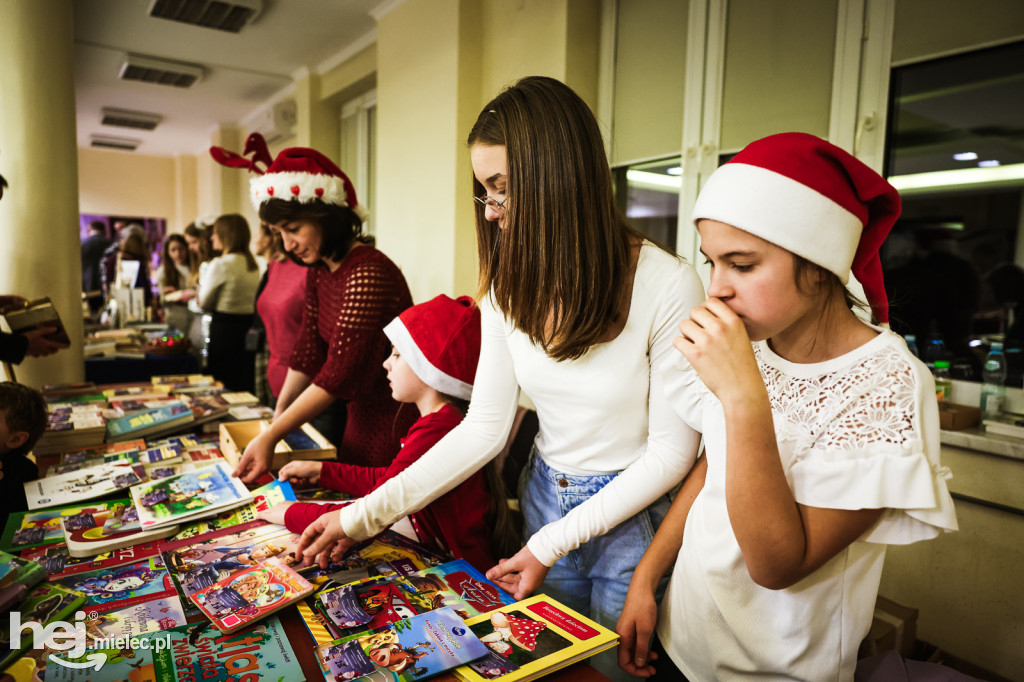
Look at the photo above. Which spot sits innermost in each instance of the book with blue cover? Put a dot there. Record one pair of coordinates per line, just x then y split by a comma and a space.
154, 421
190, 495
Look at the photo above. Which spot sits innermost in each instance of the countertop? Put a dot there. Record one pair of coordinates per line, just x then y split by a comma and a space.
976, 438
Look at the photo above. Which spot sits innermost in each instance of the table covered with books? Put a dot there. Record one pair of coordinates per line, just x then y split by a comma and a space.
153, 558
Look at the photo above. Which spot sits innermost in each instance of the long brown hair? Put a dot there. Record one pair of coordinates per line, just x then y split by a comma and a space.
172, 277
563, 238
233, 232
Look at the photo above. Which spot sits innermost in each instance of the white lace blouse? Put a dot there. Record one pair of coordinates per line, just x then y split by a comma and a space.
856, 432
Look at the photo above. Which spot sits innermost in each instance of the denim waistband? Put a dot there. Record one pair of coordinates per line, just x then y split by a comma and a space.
572, 483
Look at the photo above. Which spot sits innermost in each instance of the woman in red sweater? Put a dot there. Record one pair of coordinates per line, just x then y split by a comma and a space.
334, 378
435, 348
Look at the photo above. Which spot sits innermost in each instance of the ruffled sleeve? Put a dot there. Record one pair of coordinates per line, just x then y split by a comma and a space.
685, 391
880, 449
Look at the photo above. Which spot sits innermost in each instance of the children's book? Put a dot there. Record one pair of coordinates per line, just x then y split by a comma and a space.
45, 603
20, 571
135, 621
532, 638
175, 381
190, 495
251, 593
129, 456
409, 649
201, 565
260, 652
239, 398
34, 314
130, 405
83, 484
35, 528
246, 413
165, 454
147, 423
97, 453
137, 392
58, 563
372, 603
88, 534
110, 589
185, 442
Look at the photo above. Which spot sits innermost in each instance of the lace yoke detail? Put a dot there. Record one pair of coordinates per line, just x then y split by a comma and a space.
868, 403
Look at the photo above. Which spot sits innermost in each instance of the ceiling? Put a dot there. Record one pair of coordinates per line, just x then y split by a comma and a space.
241, 71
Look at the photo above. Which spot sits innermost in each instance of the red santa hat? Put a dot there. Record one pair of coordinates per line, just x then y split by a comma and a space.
297, 174
440, 341
811, 198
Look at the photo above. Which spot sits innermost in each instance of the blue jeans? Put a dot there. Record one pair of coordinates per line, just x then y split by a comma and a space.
594, 578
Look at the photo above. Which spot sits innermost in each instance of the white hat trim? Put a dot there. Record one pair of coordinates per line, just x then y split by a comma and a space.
279, 186
424, 369
783, 211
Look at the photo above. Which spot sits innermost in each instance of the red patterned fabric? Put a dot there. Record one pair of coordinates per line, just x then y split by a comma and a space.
342, 346
455, 521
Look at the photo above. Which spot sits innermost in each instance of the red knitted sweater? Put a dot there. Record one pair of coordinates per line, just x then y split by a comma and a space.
342, 346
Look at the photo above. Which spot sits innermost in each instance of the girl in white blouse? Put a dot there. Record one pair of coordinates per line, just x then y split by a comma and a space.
820, 431
577, 309
227, 289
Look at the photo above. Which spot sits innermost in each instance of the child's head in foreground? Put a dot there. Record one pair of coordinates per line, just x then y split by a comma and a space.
22, 417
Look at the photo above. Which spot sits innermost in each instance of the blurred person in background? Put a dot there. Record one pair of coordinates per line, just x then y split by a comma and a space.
175, 285
227, 290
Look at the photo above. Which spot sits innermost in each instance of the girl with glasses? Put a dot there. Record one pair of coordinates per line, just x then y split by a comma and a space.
579, 310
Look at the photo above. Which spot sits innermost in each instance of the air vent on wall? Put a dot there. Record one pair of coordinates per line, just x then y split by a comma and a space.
222, 16
123, 118
110, 142
160, 71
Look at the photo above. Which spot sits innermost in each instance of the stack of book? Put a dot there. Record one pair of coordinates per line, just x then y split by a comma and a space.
71, 425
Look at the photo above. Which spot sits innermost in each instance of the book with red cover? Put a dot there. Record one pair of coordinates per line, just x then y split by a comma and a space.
251, 593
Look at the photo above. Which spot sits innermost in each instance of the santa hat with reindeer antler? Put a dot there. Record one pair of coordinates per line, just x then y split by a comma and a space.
297, 174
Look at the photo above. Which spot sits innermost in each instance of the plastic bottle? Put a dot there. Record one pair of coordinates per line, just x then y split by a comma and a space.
912, 344
935, 350
993, 388
943, 383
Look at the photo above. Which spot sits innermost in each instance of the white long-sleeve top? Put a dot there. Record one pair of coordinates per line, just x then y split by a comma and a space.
598, 414
227, 285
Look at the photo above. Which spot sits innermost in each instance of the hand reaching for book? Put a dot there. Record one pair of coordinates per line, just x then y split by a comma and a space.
300, 472
324, 541
521, 575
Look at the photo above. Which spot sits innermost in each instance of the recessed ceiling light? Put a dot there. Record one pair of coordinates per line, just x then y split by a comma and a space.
991, 163
965, 156
675, 170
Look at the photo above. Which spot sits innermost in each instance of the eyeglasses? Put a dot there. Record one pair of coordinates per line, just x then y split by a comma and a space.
486, 200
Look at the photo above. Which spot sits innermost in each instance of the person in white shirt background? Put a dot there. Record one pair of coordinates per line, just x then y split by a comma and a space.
577, 309
820, 431
227, 289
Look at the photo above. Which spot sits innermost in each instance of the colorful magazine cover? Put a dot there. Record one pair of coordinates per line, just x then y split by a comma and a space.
251, 593
136, 620
95, 481
97, 453
260, 652
410, 649
531, 638
35, 528
109, 589
44, 604
186, 496
58, 562
201, 565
